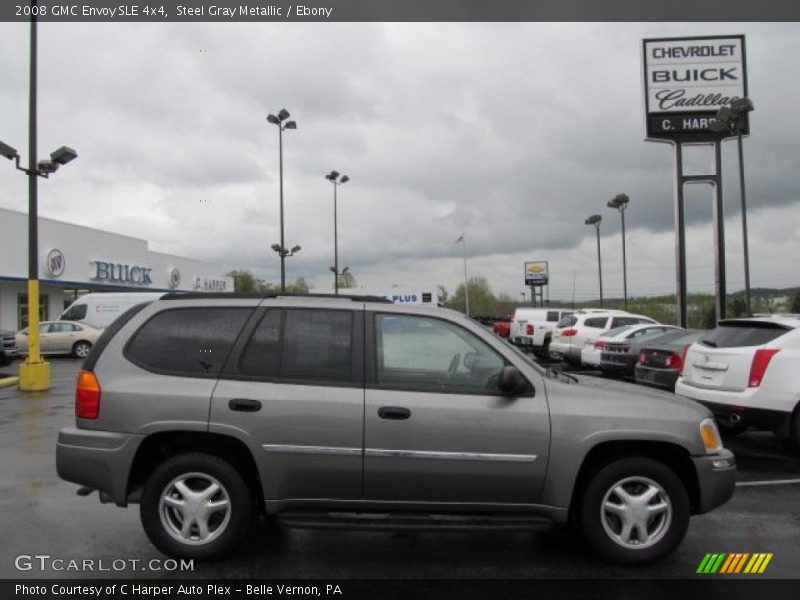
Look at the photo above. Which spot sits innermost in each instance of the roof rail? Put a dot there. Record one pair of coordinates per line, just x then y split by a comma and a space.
270, 294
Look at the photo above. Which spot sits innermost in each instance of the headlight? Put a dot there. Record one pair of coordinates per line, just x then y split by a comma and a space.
710, 435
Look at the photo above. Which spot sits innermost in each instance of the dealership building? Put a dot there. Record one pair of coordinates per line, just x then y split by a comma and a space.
74, 260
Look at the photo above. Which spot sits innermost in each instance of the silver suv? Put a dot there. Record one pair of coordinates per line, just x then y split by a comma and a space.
353, 412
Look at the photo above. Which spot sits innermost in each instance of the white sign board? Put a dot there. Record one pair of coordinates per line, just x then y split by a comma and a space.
687, 80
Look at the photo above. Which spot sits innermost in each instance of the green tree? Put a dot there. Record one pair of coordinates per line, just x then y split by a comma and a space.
245, 281
347, 280
795, 306
298, 287
482, 301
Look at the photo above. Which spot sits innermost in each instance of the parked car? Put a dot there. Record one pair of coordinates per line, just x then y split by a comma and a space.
60, 337
101, 308
660, 359
582, 327
532, 328
502, 327
8, 348
322, 413
747, 371
617, 353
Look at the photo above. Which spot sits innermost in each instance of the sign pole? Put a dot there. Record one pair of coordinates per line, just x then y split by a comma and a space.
719, 233
680, 239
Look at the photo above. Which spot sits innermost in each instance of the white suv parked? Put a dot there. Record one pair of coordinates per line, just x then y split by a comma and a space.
584, 326
532, 328
746, 371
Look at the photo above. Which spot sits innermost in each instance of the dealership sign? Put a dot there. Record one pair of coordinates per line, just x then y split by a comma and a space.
536, 273
687, 80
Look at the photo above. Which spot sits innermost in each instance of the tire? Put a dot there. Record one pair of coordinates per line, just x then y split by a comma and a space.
657, 535
164, 521
794, 433
81, 349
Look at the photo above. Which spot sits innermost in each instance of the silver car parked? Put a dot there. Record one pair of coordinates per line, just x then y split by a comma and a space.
355, 412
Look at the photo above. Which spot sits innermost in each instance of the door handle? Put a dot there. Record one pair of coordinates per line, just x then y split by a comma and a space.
244, 405
395, 413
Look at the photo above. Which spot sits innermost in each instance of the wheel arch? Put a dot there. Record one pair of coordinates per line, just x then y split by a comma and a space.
674, 456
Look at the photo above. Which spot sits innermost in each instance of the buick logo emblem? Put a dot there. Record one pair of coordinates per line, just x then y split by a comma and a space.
56, 263
174, 278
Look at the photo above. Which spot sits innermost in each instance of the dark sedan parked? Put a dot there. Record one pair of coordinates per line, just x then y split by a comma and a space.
619, 357
661, 360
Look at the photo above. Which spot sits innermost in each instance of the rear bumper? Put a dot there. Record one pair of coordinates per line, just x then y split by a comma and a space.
716, 475
741, 415
99, 460
662, 378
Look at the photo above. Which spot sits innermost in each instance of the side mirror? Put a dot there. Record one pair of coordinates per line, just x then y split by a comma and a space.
511, 381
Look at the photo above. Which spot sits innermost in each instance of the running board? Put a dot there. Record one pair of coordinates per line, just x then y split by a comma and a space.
371, 521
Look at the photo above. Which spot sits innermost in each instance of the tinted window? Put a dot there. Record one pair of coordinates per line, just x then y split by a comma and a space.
597, 322
552, 315
737, 334
425, 354
261, 356
75, 313
567, 322
317, 344
187, 341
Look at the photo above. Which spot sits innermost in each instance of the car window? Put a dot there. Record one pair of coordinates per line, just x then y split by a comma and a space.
187, 341
742, 333
61, 327
426, 354
261, 355
76, 327
620, 321
616, 331
567, 322
317, 344
552, 316
597, 322
646, 332
75, 313
45, 328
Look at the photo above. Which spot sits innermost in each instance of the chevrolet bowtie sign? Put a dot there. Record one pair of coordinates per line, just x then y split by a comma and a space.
687, 80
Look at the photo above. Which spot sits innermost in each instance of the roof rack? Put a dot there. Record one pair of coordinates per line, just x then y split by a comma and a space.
265, 295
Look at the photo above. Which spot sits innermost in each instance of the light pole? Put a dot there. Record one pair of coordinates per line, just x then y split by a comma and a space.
732, 120
283, 252
595, 220
34, 373
279, 122
333, 176
620, 202
338, 274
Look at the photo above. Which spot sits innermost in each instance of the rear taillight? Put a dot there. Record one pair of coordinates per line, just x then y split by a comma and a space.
682, 359
529, 329
642, 358
569, 332
87, 396
674, 361
599, 345
760, 364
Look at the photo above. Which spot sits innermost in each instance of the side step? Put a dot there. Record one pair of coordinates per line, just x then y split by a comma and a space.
373, 521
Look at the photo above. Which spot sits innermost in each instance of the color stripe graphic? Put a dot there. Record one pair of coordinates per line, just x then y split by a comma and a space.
734, 563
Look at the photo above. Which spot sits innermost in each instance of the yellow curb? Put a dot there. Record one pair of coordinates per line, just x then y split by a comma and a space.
8, 381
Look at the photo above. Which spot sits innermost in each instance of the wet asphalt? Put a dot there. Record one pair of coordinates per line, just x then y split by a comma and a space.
42, 515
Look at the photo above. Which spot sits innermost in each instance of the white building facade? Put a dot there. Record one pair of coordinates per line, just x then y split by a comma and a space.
74, 260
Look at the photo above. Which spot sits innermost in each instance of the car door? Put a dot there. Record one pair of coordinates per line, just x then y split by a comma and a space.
437, 430
293, 388
60, 338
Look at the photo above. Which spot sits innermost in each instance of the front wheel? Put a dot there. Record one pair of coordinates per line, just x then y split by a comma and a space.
196, 505
634, 510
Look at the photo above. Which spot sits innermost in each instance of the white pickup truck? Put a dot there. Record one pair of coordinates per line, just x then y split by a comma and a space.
532, 328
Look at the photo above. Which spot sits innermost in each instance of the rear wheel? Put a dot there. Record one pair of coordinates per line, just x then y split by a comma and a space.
634, 510
81, 349
196, 505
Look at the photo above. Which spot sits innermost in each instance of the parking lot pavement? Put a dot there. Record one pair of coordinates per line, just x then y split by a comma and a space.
44, 516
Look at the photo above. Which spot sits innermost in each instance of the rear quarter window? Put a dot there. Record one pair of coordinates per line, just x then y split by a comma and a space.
742, 334
190, 342
567, 322
597, 322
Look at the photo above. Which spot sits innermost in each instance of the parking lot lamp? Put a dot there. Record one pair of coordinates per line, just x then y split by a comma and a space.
595, 220
620, 202
34, 373
333, 177
279, 122
732, 120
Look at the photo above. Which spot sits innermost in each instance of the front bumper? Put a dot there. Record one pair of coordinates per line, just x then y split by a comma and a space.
716, 476
99, 460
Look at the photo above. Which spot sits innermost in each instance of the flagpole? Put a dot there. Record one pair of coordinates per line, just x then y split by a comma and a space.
466, 286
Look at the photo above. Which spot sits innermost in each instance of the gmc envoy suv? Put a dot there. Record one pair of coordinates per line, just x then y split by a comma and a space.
211, 410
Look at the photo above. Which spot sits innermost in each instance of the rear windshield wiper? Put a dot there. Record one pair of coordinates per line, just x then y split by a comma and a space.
709, 343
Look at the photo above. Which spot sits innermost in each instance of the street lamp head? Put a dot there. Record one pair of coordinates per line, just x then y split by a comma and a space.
7, 151
344, 179
345, 270
45, 167
619, 201
276, 247
333, 269
594, 220
273, 119
283, 115
742, 105
290, 125
296, 249
63, 155
332, 176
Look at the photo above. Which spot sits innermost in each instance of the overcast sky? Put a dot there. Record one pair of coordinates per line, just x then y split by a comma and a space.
512, 133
